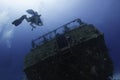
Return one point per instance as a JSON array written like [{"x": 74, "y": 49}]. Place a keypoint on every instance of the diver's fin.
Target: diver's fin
[{"x": 18, "y": 21}]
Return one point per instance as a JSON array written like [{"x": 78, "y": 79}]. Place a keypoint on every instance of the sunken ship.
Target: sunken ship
[{"x": 74, "y": 51}]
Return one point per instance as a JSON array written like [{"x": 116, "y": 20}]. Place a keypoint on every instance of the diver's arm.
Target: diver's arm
[
  {"x": 40, "y": 24},
  {"x": 32, "y": 26}
]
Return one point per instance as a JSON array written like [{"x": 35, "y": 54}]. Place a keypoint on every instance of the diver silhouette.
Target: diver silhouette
[{"x": 34, "y": 19}]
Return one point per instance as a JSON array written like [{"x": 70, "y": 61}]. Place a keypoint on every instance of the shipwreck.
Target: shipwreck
[{"x": 74, "y": 51}]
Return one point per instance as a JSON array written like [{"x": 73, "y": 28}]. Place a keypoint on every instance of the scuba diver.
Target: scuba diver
[{"x": 34, "y": 19}]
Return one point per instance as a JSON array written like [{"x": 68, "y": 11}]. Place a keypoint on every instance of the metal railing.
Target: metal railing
[{"x": 60, "y": 30}]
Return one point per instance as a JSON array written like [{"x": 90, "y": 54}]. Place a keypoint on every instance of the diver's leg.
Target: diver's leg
[{"x": 27, "y": 19}]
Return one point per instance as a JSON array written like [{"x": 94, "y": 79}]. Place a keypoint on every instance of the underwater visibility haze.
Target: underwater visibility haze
[{"x": 15, "y": 42}]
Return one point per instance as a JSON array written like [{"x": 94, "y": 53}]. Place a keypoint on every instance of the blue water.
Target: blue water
[{"x": 15, "y": 42}]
